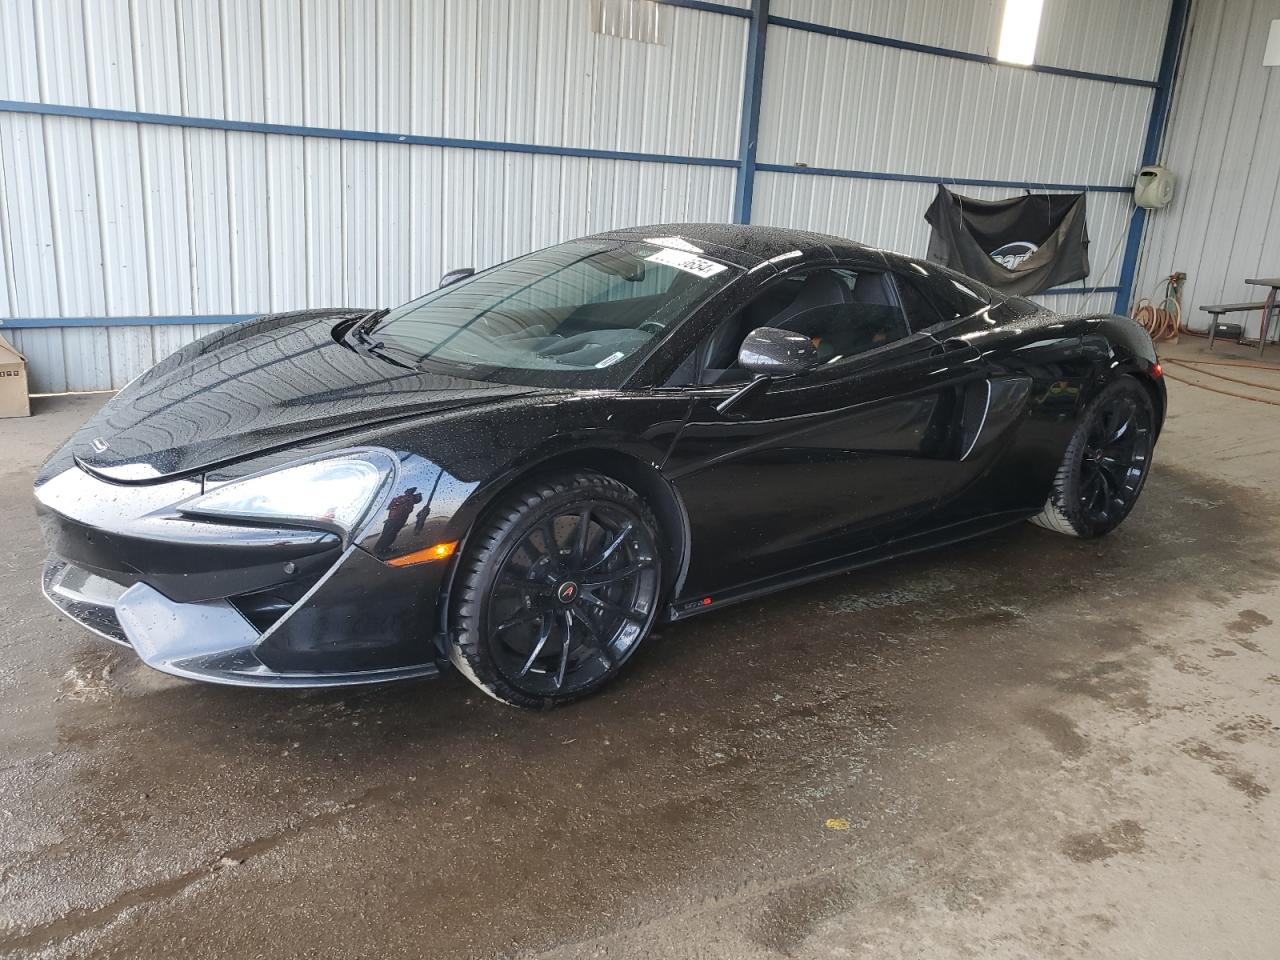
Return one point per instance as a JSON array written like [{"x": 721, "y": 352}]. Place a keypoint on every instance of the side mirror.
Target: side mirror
[
  {"x": 453, "y": 276},
  {"x": 771, "y": 352}
]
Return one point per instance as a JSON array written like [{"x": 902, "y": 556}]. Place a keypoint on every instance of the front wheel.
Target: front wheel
[
  {"x": 1105, "y": 465},
  {"x": 557, "y": 589}
]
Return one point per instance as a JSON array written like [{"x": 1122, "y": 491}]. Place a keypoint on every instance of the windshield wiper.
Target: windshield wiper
[
  {"x": 359, "y": 331},
  {"x": 358, "y": 338}
]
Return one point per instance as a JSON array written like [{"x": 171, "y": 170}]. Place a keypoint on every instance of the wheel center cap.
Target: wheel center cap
[{"x": 567, "y": 592}]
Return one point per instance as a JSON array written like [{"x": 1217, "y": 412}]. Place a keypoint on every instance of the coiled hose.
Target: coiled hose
[{"x": 1162, "y": 318}]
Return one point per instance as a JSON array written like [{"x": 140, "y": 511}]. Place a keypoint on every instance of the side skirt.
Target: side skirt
[{"x": 955, "y": 533}]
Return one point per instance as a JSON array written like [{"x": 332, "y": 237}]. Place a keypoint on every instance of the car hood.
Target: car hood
[{"x": 286, "y": 383}]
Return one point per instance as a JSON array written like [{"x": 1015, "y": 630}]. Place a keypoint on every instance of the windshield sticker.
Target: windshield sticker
[
  {"x": 610, "y": 360},
  {"x": 688, "y": 262},
  {"x": 679, "y": 243}
]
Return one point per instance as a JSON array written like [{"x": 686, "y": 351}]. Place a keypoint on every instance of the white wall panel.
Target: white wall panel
[
  {"x": 210, "y": 221},
  {"x": 831, "y": 102},
  {"x": 19, "y": 73},
  {"x": 158, "y": 86},
  {"x": 199, "y": 59},
  {"x": 277, "y": 222},
  {"x": 969, "y": 25},
  {"x": 453, "y": 68},
  {"x": 166, "y": 219},
  {"x": 28, "y": 230},
  {"x": 63, "y": 163},
  {"x": 1117, "y": 37},
  {"x": 1223, "y": 142}
]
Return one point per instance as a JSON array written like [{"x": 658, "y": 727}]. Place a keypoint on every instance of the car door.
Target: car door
[{"x": 823, "y": 464}]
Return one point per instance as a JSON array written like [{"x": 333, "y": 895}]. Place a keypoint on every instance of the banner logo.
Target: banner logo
[{"x": 1011, "y": 255}]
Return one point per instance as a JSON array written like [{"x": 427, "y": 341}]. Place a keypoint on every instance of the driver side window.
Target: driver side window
[{"x": 845, "y": 313}]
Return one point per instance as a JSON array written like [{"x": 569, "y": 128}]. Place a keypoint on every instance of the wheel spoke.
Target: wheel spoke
[
  {"x": 613, "y": 576},
  {"x": 1098, "y": 490},
  {"x": 524, "y": 616},
  {"x": 583, "y": 534},
  {"x": 519, "y": 582},
  {"x": 551, "y": 548},
  {"x": 1089, "y": 487},
  {"x": 543, "y": 634},
  {"x": 617, "y": 609},
  {"x": 599, "y": 644},
  {"x": 564, "y": 648},
  {"x": 1119, "y": 425},
  {"x": 608, "y": 551},
  {"x": 1114, "y": 472}
]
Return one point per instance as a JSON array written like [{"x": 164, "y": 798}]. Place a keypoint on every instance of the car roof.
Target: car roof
[{"x": 749, "y": 245}]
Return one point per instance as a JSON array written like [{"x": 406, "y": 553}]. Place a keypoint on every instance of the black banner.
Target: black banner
[{"x": 1023, "y": 245}]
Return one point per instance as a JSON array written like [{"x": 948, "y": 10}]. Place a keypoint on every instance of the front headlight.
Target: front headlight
[{"x": 334, "y": 491}]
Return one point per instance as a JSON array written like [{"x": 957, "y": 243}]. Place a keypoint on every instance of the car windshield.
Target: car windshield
[{"x": 578, "y": 314}]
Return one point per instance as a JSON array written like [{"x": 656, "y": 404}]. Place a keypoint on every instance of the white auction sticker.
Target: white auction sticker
[
  {"x": 610, "y": 360},
  {"x": 688, "y": 262}
]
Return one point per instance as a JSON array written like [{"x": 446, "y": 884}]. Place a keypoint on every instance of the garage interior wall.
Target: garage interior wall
[
  {"x": 1223, "y": 142},
  {"x": 173, "y": 165}
]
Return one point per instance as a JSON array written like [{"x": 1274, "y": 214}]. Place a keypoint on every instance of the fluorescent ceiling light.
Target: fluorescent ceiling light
[{"x": 1019, "y": 31}]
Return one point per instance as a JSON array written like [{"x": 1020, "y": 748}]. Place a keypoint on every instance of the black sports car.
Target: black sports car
[{"x": 522, "y": 471}]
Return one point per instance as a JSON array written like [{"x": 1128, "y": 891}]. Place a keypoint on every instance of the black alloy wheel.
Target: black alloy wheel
[
  {"x": 1114, "y": 460},
  {"x": 559, "y": 592},
  {"x": 1106, "y": 463}
]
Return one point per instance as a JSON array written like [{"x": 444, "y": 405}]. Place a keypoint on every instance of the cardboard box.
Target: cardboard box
[{"x": 13, "y": 382}]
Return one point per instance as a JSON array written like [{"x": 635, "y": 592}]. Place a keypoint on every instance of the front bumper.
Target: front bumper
[{"x": 230, "y": 604}]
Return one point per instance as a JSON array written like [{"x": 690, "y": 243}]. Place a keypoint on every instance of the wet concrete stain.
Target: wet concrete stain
[
  {"x": 1059, "y": 729},
  {"x": 1249, "y": 621},
  {"x": 789, "y": 916},
  {"x": 1228, "y": 768},
  {"x": 1123, "y": 836}
]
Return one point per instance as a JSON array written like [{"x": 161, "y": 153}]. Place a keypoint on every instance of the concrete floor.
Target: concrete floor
[{"x": 1026, "y": 746}]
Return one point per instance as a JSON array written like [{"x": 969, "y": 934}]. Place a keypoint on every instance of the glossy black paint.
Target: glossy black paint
[{"x": 944, "y": 434}]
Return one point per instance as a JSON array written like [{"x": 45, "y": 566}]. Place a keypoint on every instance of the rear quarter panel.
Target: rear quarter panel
[{"x": 1066, "y": 361}]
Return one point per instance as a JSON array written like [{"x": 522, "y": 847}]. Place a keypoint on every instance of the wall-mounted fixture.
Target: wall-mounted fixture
[
  {"x": 1153, "y": 187},
  {"x": 1272, "y": 57}
]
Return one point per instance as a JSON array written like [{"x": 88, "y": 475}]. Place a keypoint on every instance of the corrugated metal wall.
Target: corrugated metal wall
[
  {"x": 110, "y": 217},
  {"x": 1223, "y": 142},
  {"x": 832, "y": 102}
]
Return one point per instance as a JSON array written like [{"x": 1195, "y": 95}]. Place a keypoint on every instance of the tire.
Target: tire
[
  {"x": 1106, "y": 463},
  {"x": 545, "y": 613}
]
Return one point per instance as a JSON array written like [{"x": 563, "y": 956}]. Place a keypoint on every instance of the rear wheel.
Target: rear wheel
[
  {"x": 1106, "y": 463},
  {"x": 558, "y": 588}
]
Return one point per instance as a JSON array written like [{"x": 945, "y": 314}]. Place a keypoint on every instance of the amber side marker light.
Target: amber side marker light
[{"x": 439, "y": 552}]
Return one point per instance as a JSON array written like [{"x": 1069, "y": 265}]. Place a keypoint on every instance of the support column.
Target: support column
[{"x": 752, "y": 86}]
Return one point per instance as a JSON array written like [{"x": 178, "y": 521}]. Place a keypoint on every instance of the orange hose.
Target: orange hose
[
  {"x": 1225, "y": 393},
  {"x": 1223, "y": 376},
  {"x": 1160, "y": 323},
  {"x": 1255, "y": 364}
]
